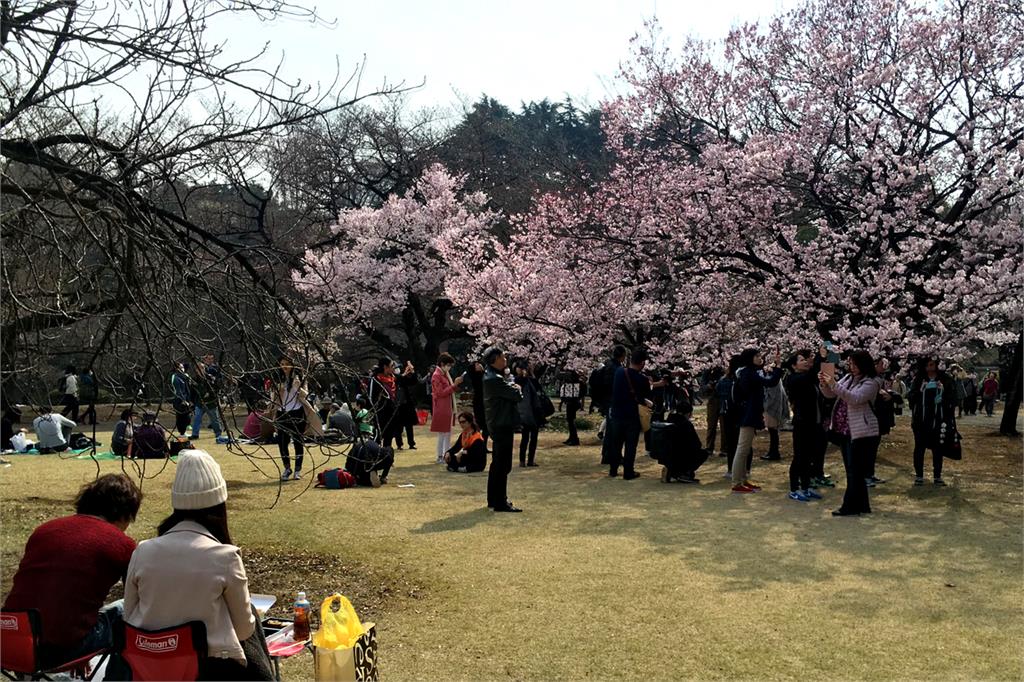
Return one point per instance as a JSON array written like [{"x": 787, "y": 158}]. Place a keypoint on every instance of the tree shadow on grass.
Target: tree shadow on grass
[{"x": 756, "y": 541}]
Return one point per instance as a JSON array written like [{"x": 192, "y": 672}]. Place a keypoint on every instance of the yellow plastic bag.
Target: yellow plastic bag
[{"x": 338, "y": 629}]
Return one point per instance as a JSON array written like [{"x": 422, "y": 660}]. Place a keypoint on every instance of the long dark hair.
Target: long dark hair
[
  {"x": 747, "y": 357},
  {"x": 470, "y": 418},
  {"x": 213, "y": 519}
]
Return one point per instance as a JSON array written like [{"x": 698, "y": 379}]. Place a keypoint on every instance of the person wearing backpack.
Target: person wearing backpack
[
  {"x": 748, "y": 394},
  {"x": 854, "y": 422},
  {"x": 88, "y": 392}
]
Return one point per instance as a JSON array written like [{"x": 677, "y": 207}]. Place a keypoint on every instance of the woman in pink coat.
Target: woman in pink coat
[{"x": 443, "y": 395}]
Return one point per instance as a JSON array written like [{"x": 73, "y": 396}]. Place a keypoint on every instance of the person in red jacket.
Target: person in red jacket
[{"x": 71, "y": 563}]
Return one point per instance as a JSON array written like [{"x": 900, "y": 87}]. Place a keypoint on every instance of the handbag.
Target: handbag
[
  {"x": 645, "y": 413},
  {"x": 949, "y": 440}
]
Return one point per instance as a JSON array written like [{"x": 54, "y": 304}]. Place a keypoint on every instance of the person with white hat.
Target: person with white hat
[{"x": 191, "y": 571}]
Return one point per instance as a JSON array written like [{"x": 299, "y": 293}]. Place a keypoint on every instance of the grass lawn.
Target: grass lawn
[{"x": 603, "y": 578}]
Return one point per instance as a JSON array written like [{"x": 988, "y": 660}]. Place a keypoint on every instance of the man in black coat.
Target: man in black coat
[
  {"x": 501, "y": 405},
  {"x": 476, "y": 378}
]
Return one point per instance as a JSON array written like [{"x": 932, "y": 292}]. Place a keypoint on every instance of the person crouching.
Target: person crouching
[{"x": 686, "y": 452}]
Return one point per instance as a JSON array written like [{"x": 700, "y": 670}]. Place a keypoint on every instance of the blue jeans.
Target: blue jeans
[
  {"x": 197, "y": 419},
  {"x": 100, "y": 637}
]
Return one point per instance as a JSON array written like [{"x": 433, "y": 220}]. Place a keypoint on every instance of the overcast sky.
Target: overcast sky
[{"x": 514, "y": 51}]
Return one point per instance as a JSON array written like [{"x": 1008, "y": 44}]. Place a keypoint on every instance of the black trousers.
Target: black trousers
[
  {"x": 805, "y": 445},
  {"x": 773, "y": 443},
  {"x": 573, "y": 407},
  {"x": 70, "y": 403},
  {"x": 730, "y": 436},
  {"x": 291, "y": 426},
  {"x": 855, "y": 455},
  {"x": 713, "y": 418},
  {"x": 501, "y": 466},
  {"x": 89, "y": 416},
  {"x": 925, "y": 440},
  {"x": 182, "y": 415},
  {"x": 528, "y": 445}
]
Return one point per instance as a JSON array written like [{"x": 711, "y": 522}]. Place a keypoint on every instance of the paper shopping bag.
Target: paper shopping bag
[{"x": 350, "y": 664}]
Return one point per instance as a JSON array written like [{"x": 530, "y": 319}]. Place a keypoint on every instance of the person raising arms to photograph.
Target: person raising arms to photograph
[
  {"x": 854, "y": 422},
  {"x": 749, "y": 392}
]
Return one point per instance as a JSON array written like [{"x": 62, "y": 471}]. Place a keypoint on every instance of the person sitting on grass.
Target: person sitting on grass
[
  {"x": 469, "y": 454},
  {"x": 192, "y": 571},
  {"x": 49, "y": 427},
  {"x": 363, "y": 417},
  {"x": 259, "y": 425},
  {"x": 150, "y": 439},
  {"x": 341, "y": 421},
  {"x": 686, "y": 453},
  {"x": 124, "y": 433},
  {"x": 71, "y": 563}
]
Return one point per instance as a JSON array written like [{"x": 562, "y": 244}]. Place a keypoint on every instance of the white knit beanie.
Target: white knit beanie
[{"x": 198, "y": 483}]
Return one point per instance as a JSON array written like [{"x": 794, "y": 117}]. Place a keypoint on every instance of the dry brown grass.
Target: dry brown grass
[{"x": 605, "y": 579}]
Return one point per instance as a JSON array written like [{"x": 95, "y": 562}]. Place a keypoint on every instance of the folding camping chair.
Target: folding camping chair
[
  {"x": 174, "y": 653},
  {"x": 19, "y": 649}
]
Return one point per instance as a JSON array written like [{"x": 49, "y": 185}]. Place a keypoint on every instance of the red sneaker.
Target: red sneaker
[
  {"x": 742, "y": 489},
  {"x": 753, "y": 486}
]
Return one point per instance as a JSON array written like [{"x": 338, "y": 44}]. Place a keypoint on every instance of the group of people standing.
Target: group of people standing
[{"x": 851, "y": 409}]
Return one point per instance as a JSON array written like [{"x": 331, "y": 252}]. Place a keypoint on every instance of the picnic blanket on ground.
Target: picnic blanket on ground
[
  {"x": 108, "y": 455},
  {"x": 34, "y": 451}
]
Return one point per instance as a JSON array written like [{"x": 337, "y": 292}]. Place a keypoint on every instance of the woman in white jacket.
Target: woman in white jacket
[{"x": 191, "y": 571}]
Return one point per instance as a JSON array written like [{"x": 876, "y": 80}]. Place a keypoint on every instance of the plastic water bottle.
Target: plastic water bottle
[{"x": 301, "y": 617}]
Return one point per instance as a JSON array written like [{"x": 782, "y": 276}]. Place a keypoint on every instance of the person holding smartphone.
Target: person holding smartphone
[{"x": 442, "y": 395}]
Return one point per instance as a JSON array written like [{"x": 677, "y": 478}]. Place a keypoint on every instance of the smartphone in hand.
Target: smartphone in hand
[{"x": 829, "y": 369}]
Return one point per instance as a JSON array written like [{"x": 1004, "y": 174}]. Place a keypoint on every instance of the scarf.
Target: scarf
[
  {"x": 388, "y": 382},
  {"x": 466, "y": 443}
]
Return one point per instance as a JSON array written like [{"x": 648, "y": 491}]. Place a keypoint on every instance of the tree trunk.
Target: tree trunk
[{"x": 1008, "y": 427}]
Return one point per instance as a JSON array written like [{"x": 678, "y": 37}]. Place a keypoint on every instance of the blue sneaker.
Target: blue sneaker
[
  {"x": 812, "y": 494},
  {"x": 798, "y": 496},
  {"x": 223, "y": 440}
]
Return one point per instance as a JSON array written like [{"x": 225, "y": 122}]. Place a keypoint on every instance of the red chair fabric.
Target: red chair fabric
[
  {"x": 174, "y": 653},
  {"x": 19, "y": 646},
  {"x": 19, "y": 641}
]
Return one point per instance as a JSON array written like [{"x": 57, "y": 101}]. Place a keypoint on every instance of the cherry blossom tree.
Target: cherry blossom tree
[
  {"x": 386, "y": 264},
  {"x": 851, "y": 170}
]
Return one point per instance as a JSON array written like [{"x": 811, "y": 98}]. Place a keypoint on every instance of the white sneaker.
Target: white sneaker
[{"x": 374, "y": 479}]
